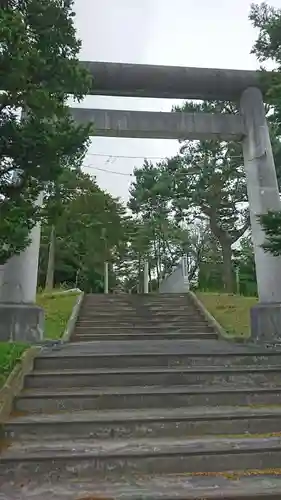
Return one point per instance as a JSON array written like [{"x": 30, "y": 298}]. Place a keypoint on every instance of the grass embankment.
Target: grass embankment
[
  {"x": 231, "y": 311},
  {"x": 58, "y": 308}
]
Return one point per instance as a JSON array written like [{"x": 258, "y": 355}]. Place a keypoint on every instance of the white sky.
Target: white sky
[{"x": 202, "y": 33}]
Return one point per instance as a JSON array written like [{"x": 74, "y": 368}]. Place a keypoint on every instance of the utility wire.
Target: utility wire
[
  {"x": 113, "y": 157},
  {"x": 116, "y": 172},
  {"x": 145, "y": 157},
  {"x": 108, "y": 171}
]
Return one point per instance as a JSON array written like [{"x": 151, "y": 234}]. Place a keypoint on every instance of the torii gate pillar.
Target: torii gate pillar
[{"x": 263, "y": 195}]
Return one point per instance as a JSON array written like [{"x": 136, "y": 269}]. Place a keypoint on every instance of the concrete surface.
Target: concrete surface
[
  {"x": 84, "y": 458},
  {"x": 18, "y": 277},
  {"x": 140, "y": 80},
  {"x": 135, "y": 397},
  {"x": 161, "y": 125},
  {"x": 21, "y": 323},
  {"x": 266, "y": 323},
  {"x": 145, "y": 423},
  {"x": 263, "y": 193},
  {"x": 148, "y": 487},
  {"x": 151, "y": 376}
]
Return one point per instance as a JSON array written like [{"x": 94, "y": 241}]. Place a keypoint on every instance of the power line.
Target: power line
[
  {"x": 113, "y": 157},
  {"x": 108, "y": 171},
  {"x": 101, "y": 155},
  {"x": 116, "y": 172}
]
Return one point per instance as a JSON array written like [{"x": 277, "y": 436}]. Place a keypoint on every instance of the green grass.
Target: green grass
[
  {"x": 231, "y": 311},
  {"x": 57, "y": 309},
  {"x": 10, "y": 354}
]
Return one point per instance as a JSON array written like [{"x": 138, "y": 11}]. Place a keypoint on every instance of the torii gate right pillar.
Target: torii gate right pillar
[{"x": 263, "y": 195}]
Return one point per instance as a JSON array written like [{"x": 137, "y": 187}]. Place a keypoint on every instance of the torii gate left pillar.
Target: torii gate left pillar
[{"x": 21, "y": 320}]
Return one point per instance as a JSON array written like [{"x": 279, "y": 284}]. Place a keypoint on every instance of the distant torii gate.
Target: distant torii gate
[{"x": 250, "y": 127}]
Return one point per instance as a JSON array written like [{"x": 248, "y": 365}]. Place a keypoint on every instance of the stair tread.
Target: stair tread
[
  {"x": 151, "y": 389},
  {"x": 95, "y": 438},
  {"x": 158, "y": 347},
  {"x": 164, "y": 370},
  {"x": 153, "y": 487},
  {"x": 24, "y": 450},
  {"x": 199, "y": 412}
]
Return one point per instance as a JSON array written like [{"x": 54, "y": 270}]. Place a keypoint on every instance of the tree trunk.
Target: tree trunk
[
  {"x": 228, "y": 277},
  {"x": 225, "y": 243},
  {"x": 139, "y": 289},
  {"x": 150, "y": 278},
  {"x": 49, "y": 285}
]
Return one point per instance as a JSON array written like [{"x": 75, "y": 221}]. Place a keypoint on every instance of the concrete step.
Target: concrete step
[
  {"x": 142, "y": 321},
  {"x": 153, "y": 317},
  {"x": 142, "y": 423},
  {"x": 86, "y": 337},
  {"x": 147, "y": 324},
  {"x": 135, "y": 329},
  {"x": 250, "y": 486},
  {"x": 143, "y": 325},
  {"x": 109, "y": 398},
  {"x": 144, "y": 329},
  {"x": 134, "y": 313},
  {"x": 251, "y": 376},
  {"x": 84, "y": 458},
  {"x": 104, "y": 326},
  {"x": 153, "y": 353}
]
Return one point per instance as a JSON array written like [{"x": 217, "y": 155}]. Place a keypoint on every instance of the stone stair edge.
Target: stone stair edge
[
  {"x": 152, "y": 370},
  {"x": 140, "y": 390},
  {"x": 227, "y": 486},
  {"x": 162, "y": 414},
  {"x": 214, "y": 445}
]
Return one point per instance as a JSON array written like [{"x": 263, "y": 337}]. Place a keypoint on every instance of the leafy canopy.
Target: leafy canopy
[{"x": 38, "y": 68}]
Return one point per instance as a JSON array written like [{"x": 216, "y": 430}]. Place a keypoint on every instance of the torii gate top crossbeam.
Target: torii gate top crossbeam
[{"x": 139, "y": 80}]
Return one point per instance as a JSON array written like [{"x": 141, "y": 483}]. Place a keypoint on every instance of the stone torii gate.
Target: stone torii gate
[{"x": 19, "y": 275}]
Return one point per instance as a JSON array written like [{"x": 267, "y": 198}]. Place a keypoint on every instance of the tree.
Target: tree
[
  {"x": 59, "y": 194},
  {"x": 244, "y": 263},
  {"x": 267, "y": 47},
  {"x": 271, "y": 223},
  {"x": 88, "y": 228},
  {"x": 205, "y": 181},
  {"x": 38, "y": 68},
  {"x": 208, "y": 180},
  {"x": 160, "y": 238},
  {"x": 210, "y": 274}
]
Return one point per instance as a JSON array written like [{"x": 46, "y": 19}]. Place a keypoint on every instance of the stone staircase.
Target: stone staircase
[
  {"x": 145, "y": 402},
  {"x": 140, "y": 317}
]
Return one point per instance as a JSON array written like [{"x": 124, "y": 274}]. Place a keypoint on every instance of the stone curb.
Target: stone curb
[
  {"x": 208, "y": 316},
  {"x": 73, "y": 317},
  {"x": 15, "y": 381}
]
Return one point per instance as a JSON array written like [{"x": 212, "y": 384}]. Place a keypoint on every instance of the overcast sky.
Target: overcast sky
[{"x": 202, "y": 33}]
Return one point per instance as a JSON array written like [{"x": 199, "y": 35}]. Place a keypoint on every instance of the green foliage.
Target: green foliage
[
  {"x": 244, "y": 263},
  {"x": 10, "y": 354},
  {"x": 158, "y": 235},
  {"x": 271, "y": 223},
  {"x": 210, "y": 275},
  {"x": 38, "y": 67},
  {"x": 267, "y": 48},
  {"x": 58, "y": 308},
  {"x": 89, "y": 227},
  {"x": 208, "y": 177},
  {"x": 204, "y": 182}
]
